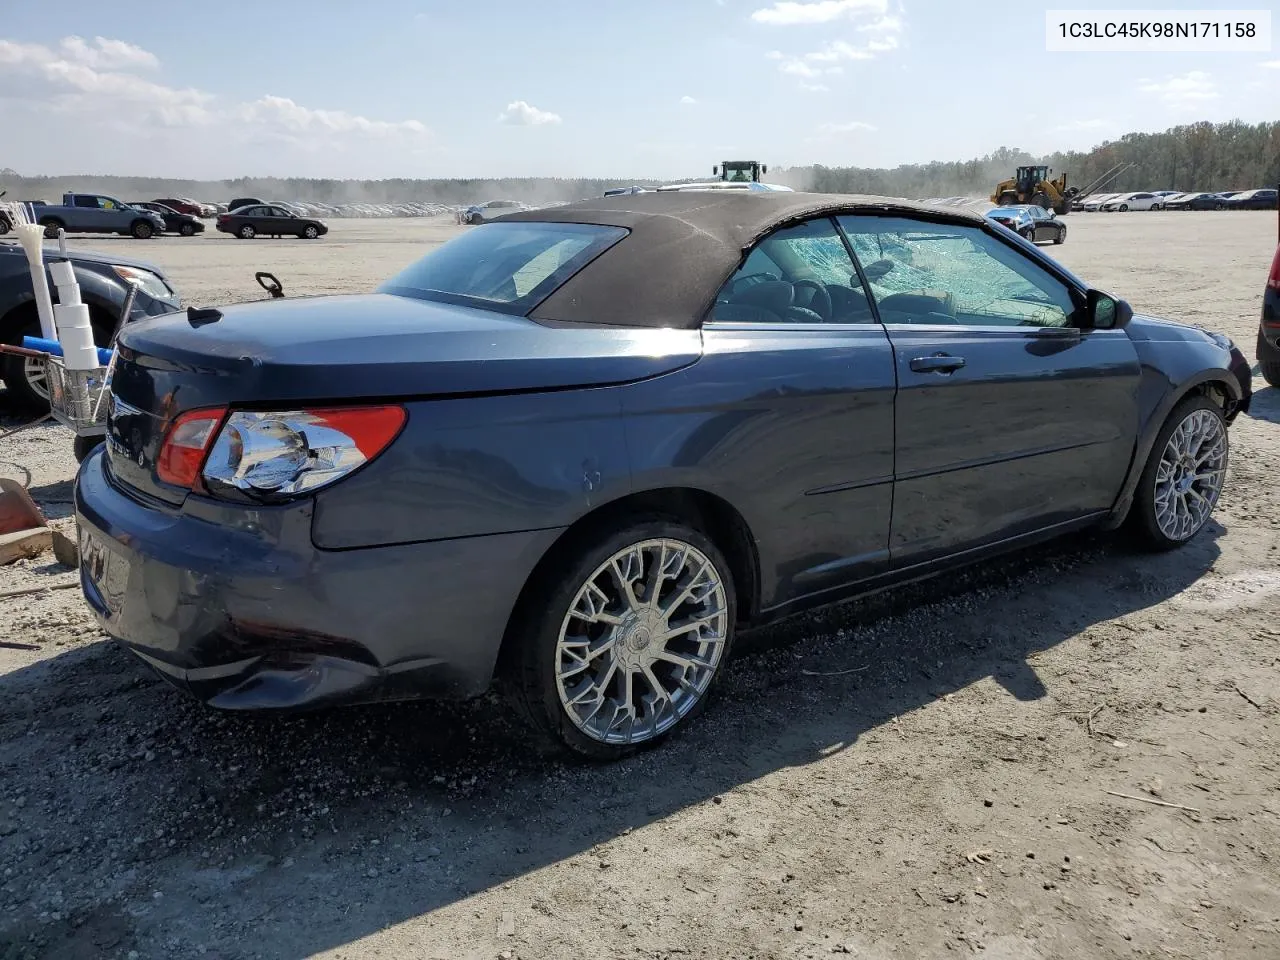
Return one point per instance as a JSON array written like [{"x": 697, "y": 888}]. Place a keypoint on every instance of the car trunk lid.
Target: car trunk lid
[{"x": 287, "y": 353}]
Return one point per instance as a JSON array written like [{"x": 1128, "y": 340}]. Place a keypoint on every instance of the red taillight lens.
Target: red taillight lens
[
  {"x": 290, "y": 453},
  {"x": 1273, "y": 281},
  {"x": 183, "y": 451}
]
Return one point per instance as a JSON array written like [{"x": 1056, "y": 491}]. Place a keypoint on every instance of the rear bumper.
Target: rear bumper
[{"x": 241, "y": 610}]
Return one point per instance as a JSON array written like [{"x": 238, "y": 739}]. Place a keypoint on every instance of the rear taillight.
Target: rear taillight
[
  {"x": 1273, "y": 281},
  {"x": 185, "y": 446},
  {"x": 278, "y": 455}
]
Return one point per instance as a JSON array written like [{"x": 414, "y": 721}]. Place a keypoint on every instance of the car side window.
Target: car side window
[
  {"x": 798, "y": 274},
  {"x": 940, "y": 273}
]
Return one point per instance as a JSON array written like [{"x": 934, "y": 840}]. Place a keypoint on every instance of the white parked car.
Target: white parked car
[
  {"x": 1095, "y": 202},
  {"x": 1134, "y": 201}
]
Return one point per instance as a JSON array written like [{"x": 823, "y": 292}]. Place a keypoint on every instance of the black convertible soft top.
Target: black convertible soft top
[{"x": 683, "y": 245}]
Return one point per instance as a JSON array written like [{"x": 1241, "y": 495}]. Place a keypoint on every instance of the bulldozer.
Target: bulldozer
[
  {"x": 738, "y": 171},
  {"x": 1032, "y": 185}
]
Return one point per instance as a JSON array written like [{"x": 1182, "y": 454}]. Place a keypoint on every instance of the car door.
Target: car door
[
  {"x": 1010, "y": 418},
  {"x": 283, "y": 222},
  {"x": 1040, "y": 223},
  {"x": 792, "y": 410}
]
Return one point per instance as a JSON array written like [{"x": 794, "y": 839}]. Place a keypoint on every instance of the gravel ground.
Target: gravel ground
[{"x": 1070, "y": 753}]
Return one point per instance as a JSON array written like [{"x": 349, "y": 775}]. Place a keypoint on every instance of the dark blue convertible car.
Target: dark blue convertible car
[{"x": 576, "y": 449}]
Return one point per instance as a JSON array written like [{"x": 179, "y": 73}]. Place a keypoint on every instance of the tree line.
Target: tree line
[{"x": 1197, "y": 156}]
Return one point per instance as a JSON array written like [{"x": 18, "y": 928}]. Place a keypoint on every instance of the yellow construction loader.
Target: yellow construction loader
[{"x": 1032, "y": 185}]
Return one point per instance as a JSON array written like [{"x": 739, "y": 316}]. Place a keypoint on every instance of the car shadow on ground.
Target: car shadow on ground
[
  {"x": 1265, "y": 405},
  {"x": 192, "y": 814}
]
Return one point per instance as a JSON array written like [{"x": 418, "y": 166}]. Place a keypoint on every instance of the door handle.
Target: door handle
[{"x": 938, "y": 363}]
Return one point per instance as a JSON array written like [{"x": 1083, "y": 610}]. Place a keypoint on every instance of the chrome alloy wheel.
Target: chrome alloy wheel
[
  {"x": 1190, "y": 474},
  {"x": 37, "y": 376},
  {"x": 641, "y": 642}
]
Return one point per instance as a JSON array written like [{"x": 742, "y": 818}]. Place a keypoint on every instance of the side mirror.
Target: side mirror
[
  {"x": 715, "y": 171},
  {"x": 1106, "y": 312},
  {"x": 764, "y": 168}
]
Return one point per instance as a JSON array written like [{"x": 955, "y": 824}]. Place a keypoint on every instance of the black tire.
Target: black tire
[
  {"x": 1008, "y": 199},
  {"x": 310, "y": 232},
  {"x": 142, "y": 230},
  {"x": 1029, "y": 234},
  {"x": 1268, "y": 361},
  {"x": 5, "y": 226},
  {"x": 246, "y": 232},
  {"x": 1060, "y": 237},
  {"x": 81, "y": 447},
  {"x": 1142, "y": 516},
  {"x": 187, "y": 230},
  {"x": 1042, "y": 201},
  {"x": 531, "y": 668},
  {"x": 1123, "y": 208},
  {"x": 51, "y": 227},
  {"x": 22, "y": 392}
]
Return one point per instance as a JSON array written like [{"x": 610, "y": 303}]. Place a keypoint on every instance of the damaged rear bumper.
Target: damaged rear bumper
[{"x": 238, "y": 607}]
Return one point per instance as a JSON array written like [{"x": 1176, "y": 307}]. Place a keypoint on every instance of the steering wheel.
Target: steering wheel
[{"x": 819, "y": 302}]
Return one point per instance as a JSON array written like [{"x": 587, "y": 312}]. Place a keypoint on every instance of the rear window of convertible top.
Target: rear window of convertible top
[{"x": 507, "y": 267}]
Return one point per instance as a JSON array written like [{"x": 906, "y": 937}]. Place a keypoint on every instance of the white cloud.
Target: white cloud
[
  {"x": 882, "y": 37},
  {"x": 814, "y": 87},
  {"x": 688, "y": 100},
  {"x": 283, "y": 112},
  {"x": 851, "y": 126},
  {"x": 106, "y": 54},
  {"x": 90, "y": 81},
  {"x": 1186, "y": 91},
  {"x": 789, "y": 13},
  {"x": 522, "y": 114}
]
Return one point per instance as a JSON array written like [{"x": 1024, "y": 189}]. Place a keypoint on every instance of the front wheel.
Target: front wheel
[
  {"x": 621, "y": 645},
  {"x": 309, "y": 232},
  {"x": 1060, "y": 237},
  {"x": 1184, "y": 475},
  {"x": 187, "y": 229},
  {"x": 142, "y": 230},
  {"x": 1124, "y": 208}
]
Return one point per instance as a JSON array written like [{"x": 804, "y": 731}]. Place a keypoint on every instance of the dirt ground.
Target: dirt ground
[{"x": 1066, "y": 754}]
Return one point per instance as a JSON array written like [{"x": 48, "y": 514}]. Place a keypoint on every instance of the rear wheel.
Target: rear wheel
[
  {"x": 1268, "y": 361},
  {"x": 622, "y": 644},
  {"x": 1042, "y": 200},
  {"x": 1184, "y": 475},
  {"x": 24, "y": 377},
  {"x": 1008, "y": 199},
  {"x": 1060, "y": 236},
  {"x": 51, "y": 228},
  {"x": 246, "y": 232}
]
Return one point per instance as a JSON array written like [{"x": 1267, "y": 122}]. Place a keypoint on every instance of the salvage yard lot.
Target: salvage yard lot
[{"x": 1072, "y": 753}]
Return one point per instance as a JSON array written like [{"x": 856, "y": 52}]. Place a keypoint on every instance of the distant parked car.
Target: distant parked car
[
  {"x": 1195, "y": 201},
  {"x": 1252, "y": 200},
  {"x": 174, "y": 222},
  {"x": 1269, "y": 330},
  {"x": 1015, "y": 218},
  {"x": 1134, "y": 201},
  {"x": 96, "y": 213},
  {"x": 1031, "y": 221},
  {"x": 272, "y": 221},
  {"x": 243, "y": 202},
  {"x": 189, "y": 207},
  {"x": 1095, "y": 202},
  {"x": 482, "y": 212}
]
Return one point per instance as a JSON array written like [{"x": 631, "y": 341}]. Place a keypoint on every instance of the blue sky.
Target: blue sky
[{"x": 426, "y": 88}]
